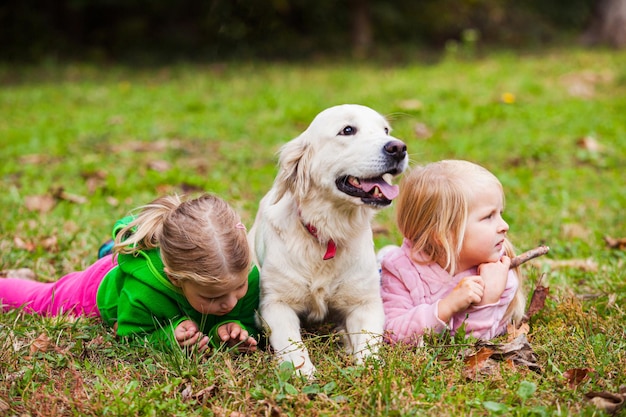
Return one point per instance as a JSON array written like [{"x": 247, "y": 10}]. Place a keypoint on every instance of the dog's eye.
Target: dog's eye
[
  {"x": 348, "y": 131},
  {"x": 386, "y": 131}
]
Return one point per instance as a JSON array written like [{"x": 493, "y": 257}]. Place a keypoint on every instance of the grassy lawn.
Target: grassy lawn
[{"x": 81, "y": 145}]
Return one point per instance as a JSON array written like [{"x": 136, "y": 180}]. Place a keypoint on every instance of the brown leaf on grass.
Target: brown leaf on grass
[
  {"x": 410, "y": 104},
  {"x": 583, "y": 84},
  {"x": 50, "y": 244},
  {"x": 201, "y": 396},
  {"x": 518, "y": 351},
  {"x": 538, "y": 299},
  {"x": 484, "y": 363},
  {"x": 589, "y": 143},
  {"x": 576, "y": 376},
  {"x": 478, "y": 365},
  {"x": 21, "y": 273},
  {"x": 97, "y": 342},
  {"x": 513, "y": 332},
  {"x": 186, "y": 392},
  {"x": 190, "y": 188},
  {"x": 40, "y": 203},
  {"x": 41, "y": 344},
  {"x": 94, "y": 180},
  {"x": 576, "y": 231},
  {"x": 606, "y": 401},
  {"x": 159, "y": 165},
  {"x": 615, "y": 243},
  {"x": 268, "y": 407},
  {"x": 204, "y": 394},
  {"x": 422, "y": 131},
  {"x": 60, "y": 194},
  {"x": 22, "y": 244}
]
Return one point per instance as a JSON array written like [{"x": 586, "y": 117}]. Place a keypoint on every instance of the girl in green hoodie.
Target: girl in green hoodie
[{"x": 179, "y": 275}]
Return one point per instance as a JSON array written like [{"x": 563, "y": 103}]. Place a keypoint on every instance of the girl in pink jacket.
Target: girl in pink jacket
[{"x": 453, "y": 266}]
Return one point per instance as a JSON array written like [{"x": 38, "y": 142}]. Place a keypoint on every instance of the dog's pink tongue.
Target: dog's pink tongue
[{"x": 389, "y": 191}]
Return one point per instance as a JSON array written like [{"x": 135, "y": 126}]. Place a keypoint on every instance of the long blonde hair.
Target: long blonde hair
[
  {"x": 199, "y": 239},
  {"x": 432, "y": 211}
]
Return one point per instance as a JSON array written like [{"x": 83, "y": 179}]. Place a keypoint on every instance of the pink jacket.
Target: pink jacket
[{"x": 411, "y": 294}]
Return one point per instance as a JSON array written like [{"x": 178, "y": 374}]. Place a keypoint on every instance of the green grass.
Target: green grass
[{"x": 98, "y": 132}]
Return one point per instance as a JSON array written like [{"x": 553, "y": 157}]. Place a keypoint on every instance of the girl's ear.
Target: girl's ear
[{"x": 175, "y": 281}]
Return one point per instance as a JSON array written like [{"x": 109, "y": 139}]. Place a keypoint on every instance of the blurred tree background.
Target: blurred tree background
[{"x": 153, "y": 30}]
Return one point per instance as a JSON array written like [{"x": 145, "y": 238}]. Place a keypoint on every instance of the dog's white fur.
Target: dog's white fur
[{"x": 296, "y": 283}]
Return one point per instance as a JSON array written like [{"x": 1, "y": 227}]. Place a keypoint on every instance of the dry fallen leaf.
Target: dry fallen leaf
[
  {"x": 410, "y": 104},
  {"x": 41, "y": 344},
  {"x": 582, "y": 84},
  {"x": 50, "y": 244},
  {"x": 186, "y": 393},
  {"x": 159, "y": 165},
  {"x": 538, "y": 299},
  {"x": 40, "y": 203},
  {"x": 22, "y": 244},
  {"x": 60, "y": 194},
  {"x": 205, "y": 393},
  {"x": 606, "y": 401},
  {"x": 513, "y": 332},
  {"x": 576, "y": 376},
  {"x": 484, "y": 363},
  {"x": 589, "y": 143},
  {"x": 478, "y": 364},
  {"x": 200, "y": 396},
  {"x": 619, "y": 243},
  {"x": 422, "y": 131},
  {"x": 21, "y": 273},
  {"x": 576, "y": 231}
]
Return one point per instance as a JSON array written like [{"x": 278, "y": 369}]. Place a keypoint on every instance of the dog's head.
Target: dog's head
[{"x": 347, "y": 151}]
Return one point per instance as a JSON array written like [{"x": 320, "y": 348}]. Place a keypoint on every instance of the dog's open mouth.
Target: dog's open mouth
[{"x": 376, "y": 191}]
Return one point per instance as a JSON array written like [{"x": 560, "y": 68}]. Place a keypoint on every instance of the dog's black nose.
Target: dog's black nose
[{"x": 396, "y": 149}]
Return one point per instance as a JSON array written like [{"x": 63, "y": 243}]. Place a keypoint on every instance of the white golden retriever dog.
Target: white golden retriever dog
[{"x": 312, "y": 235}]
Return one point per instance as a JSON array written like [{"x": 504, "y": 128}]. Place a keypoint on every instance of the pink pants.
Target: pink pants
[{"x": 73, "y": 294}]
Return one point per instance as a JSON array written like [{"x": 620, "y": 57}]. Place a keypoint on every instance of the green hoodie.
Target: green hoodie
[{"x": 138, "y": 296}]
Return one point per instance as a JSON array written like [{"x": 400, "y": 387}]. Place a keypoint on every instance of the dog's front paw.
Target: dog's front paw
[
  {"x": 307, "y": 371},
  {"x": 302, "y": 366}
]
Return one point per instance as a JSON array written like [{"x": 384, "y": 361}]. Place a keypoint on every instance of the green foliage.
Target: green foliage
[
  {"x": 153, "y": 31},
  {"x": 117, "y": 137}
]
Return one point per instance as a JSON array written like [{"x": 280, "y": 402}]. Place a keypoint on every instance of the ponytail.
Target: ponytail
[{"x": 145, "y": 231}]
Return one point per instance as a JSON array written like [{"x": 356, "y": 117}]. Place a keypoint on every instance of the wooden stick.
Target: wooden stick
[{"x": 528, "y": 255}]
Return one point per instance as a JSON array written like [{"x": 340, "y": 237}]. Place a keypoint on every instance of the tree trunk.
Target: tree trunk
[
  {"x": 361, "y": 27},
  {"x": 608, "y": 24}
]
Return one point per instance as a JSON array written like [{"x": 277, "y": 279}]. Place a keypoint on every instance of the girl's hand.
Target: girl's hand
[
  {"x": 188, "y": 334},
  {"x": 467, "y": 292},
  {"x": 495, "y": 275},
  {"x": 232, "y": 334}
]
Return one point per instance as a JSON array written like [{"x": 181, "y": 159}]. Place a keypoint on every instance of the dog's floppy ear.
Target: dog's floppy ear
[{"x": 294, "y": 164}]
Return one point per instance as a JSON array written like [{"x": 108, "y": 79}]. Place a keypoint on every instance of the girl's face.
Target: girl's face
[
  {"x": 215, "y": 299},
  {"x": 485, "y": 230}
]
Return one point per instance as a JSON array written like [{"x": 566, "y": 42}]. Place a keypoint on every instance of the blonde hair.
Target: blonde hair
[
  {"x": 199, "y": 239},
  {"x": 432, "y": 211}
]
